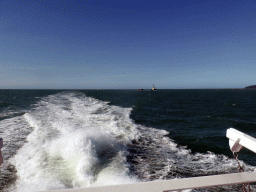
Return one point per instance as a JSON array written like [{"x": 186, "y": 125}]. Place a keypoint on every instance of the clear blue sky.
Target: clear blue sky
[{"x": 127, "y": 44}]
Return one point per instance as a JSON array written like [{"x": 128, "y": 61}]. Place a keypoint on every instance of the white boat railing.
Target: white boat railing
[
  {"x": 175, "y": 184},
  {"x": 237, "y": 141}
]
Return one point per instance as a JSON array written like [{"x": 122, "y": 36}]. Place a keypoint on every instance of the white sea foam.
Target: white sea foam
[
  {"x": 77, "y": 141},
  {"x": 14, "y": 132},
  {"x": 157, "y": 157}
]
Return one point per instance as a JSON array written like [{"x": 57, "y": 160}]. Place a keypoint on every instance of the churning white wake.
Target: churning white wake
[{"x": 77, "y": 142}]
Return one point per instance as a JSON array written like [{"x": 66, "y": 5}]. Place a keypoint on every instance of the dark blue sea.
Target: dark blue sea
[{"x": 60, "y": 139}]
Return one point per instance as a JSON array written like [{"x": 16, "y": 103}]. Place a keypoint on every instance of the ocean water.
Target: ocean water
[{"x": 60, "y": 139}]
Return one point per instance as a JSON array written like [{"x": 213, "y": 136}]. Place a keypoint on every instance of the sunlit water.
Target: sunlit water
[{"x": 75, "y": 139}]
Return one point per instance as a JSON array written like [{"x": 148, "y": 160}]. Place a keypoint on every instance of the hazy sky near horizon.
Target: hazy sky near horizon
[{"x": 127, "y": 44}]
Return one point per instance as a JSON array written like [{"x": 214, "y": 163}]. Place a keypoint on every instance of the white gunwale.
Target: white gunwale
[{"x": 175, "y": 184}]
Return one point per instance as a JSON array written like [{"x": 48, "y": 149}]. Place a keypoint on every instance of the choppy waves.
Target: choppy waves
[
  {"x": 69, "y": 140},
  {"x": 76, "y": 142}
]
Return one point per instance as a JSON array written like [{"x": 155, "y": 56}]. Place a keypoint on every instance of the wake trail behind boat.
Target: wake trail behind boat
[
  {"x": 70, "y": 140},
  {"x": 76, "y": 142}
]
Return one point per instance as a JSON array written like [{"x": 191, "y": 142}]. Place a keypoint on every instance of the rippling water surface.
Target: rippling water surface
[{"x": 58, "y": 139}]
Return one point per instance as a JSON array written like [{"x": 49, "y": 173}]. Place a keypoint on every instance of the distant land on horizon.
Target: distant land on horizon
[{"x": 251, "y": 87}]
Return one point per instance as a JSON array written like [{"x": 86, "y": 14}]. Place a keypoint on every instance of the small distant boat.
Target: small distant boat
[
  {"x": 139, "y": 89},
  {"x": 153, "y": 89}
]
